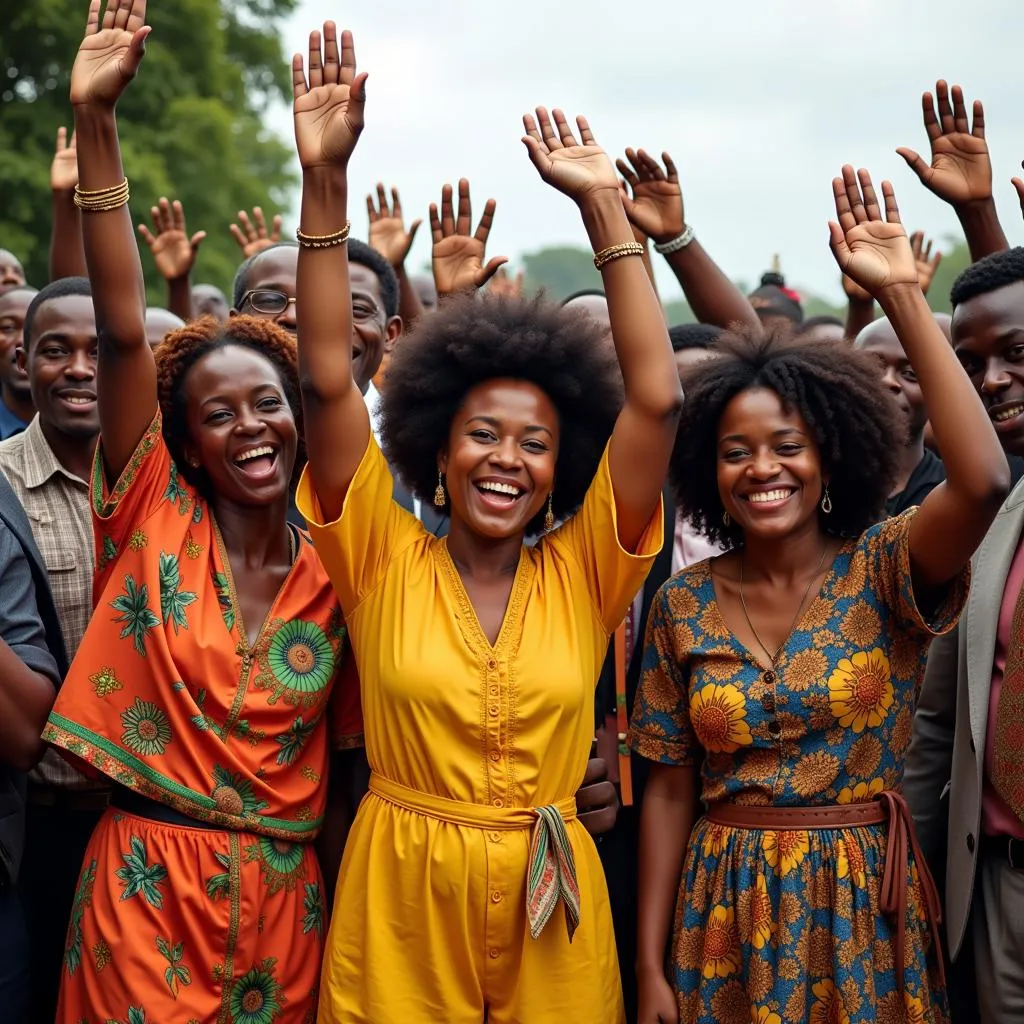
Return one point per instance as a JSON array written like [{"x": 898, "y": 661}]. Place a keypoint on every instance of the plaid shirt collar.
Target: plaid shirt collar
[{"x": 38, "y": 459}]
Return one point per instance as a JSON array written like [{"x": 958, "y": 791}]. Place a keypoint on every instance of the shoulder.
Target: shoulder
[{"x": 687, "y": 593}]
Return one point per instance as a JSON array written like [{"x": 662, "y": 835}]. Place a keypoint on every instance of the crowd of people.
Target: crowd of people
[{"x": 377, "y": 647}]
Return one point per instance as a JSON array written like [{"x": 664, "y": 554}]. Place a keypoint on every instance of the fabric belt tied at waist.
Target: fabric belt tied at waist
[
  {"x": 902, "y": 839},
  {"x": 552, "y": 868}
]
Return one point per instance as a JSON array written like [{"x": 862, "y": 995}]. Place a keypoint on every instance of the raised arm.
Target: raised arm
[
  {"x": 656, "y": 209},
  {"x": 960, "y": 171},
  {"x": 174, "y": 253},
  {"x": 872, "y": 248},
  {"x": 389, "y": 237},
  {"x": 646, "y": 428},
  {"x": 107, "y": 61},
  {"x": 253, "y": 236},
  {"x": 328, "y": 119},
  {"x": 67, "y": 257},
  {"x": 457, "y": 257}
]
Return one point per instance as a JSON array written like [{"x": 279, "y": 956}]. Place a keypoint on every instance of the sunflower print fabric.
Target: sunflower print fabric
[
  {"x": 779, "y": 926},
  {"x": 169, "y": 696}
]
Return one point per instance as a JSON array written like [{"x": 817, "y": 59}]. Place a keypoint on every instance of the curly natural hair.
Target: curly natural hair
[
  {"x": 182, "y": 349},
  {"x": 471, "y": 339},
  {"x": 836, "y": 390}
]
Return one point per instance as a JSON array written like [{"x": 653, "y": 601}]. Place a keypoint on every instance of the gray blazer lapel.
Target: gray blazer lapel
[{"x": 991, "y": 567}]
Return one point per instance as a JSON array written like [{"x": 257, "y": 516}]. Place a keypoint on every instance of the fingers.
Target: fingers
[
  {"x": 837, "y": 234},
  {"x": 537, "y": 152},
  {"x": 870, "y": 199},
  {"x": 670, "y": 168},
  {"x": 916, "y": 163},
  {"x": 396, "y": 203},
  {"x": 332, "y": 56},
  {"x": 92, "y": 19},
  {"x": 136, "y": 15},
  {"x": 1018, "y": 184},
  {"x": 147, "y": 235},
  {"x": 484, "y": 227},
  {"x": 650, "y": 166},
  {"x": 447, "y": 213},
  {"x": 236, "y": 234},
  {"x": 945, "y": 108},
  {"x": 316, "y": 61},
  {"x": 299, "y": 87},
  {"x": 916, "y": 242},
  {"x": 960, "y": 122},
  {"x": 586, "y": 135},
  {"x": 196, "y": 240},
  {"x": 931, "y": 121},
  {"x": 347, "y": 72},
  {"x": 413, "y": 228},
  {"x": 597, "y": 771},
  {"x": 275, "y": 228},
  {"x": 250, "y": 234},
  {"x": 978, "y": 131},
  {"x": 892, "y": 211},
  {"x": 122, "y": 9},
  {"x": 853, "y": 196},
  {"x": 531, "y": 129},
  {"x": 464, "y": 221},
  {"x": 73, "y": 144},
  {"x": 565, "y": 135},
  {"x": 371, "y": 210},
  {"x": 436, "y": 232},
  {"x": 136, "y": 51},
  {"x": 547, "y": 131},
  {"x": 847, "y": 221},
  {"x": 627, "y": 172},
  {"x": 490, "y": 270},
  {"x": 62, "y": 140},
  {"x": 177, "y": 216},
  {"x": 108, "y": 15},
  {"x": 595, "y": 795},
  {"x": 357, "y": 101},
  {"x": 382, "y": 200}
]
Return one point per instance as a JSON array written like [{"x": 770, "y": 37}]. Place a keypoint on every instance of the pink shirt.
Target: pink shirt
[{"x": 996, "y": 817}]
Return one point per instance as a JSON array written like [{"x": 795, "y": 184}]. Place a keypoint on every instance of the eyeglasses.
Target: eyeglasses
[{"x": 271, "y": 302}]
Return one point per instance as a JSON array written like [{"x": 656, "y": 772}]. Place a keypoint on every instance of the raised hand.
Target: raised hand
[
  {"x": 328, "y": 108},
  {"x": 387, "y": 228},
  {"x": 504, "y": 285},
  {"x": 871, "y": 248},
  {"x": 64, "y": 168},
  {"x": 174, "y": 252},
  {"x": 960, "y": 170},
  {"x": 253, "y": 238},
  {"x": 927, "y": 264},
  {"x": 111, "y": 52},
  {"x": 578, "y": 169},
  {"x": 1018, "y": 184},
  {"x": 656, "y": 205},
  {"x": 457, "y": 258}
]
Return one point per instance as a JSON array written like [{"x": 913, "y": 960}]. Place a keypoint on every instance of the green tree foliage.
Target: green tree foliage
[
  {"x": 560, "y": 271},
  {"x": 956, "y": 257},
  {"x": 191, "y": 124}
]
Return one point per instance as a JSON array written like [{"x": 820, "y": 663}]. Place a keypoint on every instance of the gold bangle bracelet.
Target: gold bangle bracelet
[
  {"x": 614, "y": 252},
  {"x": 102, "y": 200},
  {"x": 323, "y": 241}
]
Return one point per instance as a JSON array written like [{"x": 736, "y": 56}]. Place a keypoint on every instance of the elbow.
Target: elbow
[
  {"x": 995, "y": 485},
  {"x": 26, "y": 749}
]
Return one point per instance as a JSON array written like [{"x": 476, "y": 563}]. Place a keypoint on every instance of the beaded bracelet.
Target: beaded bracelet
[
  {"x": 324, "y": 241},
  {"x": 103, "y": 199},
  {"x": 614, "y": 252},
  {"x": 675, "y": 244}
]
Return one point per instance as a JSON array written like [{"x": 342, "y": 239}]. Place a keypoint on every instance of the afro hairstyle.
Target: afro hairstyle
[
  {"x": 690, "y": 336},
  {"x": 989, "y": 273},
  {"x": 469, "y": 340},
  {"x": 182, "y": 349},
  {"x": 836, "y": 390}
]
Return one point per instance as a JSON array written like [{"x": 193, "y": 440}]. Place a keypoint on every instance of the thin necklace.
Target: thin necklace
[{"x": 796, "y": 618}]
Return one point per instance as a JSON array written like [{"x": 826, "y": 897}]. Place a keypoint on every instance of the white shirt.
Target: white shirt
[{"x": 373, "y": 403}]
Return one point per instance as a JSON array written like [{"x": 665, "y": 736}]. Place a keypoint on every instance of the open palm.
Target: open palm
[
  {"x": 328, "y": 107},
  {"x": 110, "y": 53},
  {"x": 656, "y": 206},
  {"x": 574, "y": 168},
  {"x": 874, "y": 252},
  {"x": 457, "y": 257}
]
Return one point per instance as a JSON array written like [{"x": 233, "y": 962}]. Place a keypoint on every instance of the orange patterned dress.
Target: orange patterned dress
[{"x": 222, "y": 921}]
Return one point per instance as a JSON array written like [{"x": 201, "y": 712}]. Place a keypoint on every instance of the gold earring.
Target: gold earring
[
  {"x": 549, "y": 516},
  {"x": 440, "y": 498},
  {"x": 726, "y": 518},
  {"x": 826, "y": 502}
]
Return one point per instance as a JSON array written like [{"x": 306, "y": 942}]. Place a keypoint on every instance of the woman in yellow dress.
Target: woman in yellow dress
[{"x": 468, "y": 889}]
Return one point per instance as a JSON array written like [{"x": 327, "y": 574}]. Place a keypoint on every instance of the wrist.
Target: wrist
[
  {"x": 981, "y": 207},
  {"x": 670, "y": 236},
  {"x": 646, "y": 968},
  {"x": 604, "y": 219},
  {"x": 897, "y": 298}
]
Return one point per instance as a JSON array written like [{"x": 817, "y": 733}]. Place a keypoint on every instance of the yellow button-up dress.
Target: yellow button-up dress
[{"x": 430, "y": 920}]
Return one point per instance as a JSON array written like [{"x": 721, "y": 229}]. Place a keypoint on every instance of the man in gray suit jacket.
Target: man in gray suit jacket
[{"x": 955, "y": 795}]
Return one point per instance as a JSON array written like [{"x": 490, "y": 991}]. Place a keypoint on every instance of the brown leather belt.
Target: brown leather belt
[{"x": 902, "y": 840}]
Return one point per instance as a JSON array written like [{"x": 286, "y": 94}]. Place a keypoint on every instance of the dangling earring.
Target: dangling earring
[
  {"x": 440, "y": 498},
  {"x": 826, "y": 502},
  {"x": 726, "y": 520},
  {"x": 549, "y": 516}
]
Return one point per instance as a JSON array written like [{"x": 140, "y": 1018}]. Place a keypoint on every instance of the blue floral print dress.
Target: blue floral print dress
[{"x": 778, "y": 927}]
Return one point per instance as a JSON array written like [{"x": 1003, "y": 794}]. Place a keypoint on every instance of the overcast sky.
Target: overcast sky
[{"x": 760, "y": 103}]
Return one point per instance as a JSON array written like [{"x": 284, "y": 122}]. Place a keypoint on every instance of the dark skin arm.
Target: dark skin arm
[
  {"x": 389, "y": 237},
  {"x": 860, "y": 308},
  {"x": 457, "y": 257},
  {"x": 960, "y": 171},
  {"x": 873, "y": 249},
  {"x": 67, "y": 256},
  {"x": 328, "y": 115},
  {"x": 26, "y": 698},
  {"x": 174, "y": 253},
  {"x": 656, "y": 209},
  {"x": 108, "y": 60},
  {"x": 338, "y": 815},
  {"x": 666, "y": 820},
  {"x": 645, "y": 430}
]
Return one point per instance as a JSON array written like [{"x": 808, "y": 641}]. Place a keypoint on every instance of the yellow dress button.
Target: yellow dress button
[
  {"x": 495, "y": 954},
  {"x": 498, "y": 802},
  {"x": 493, "y": 710},
  {"x": 495, "y": 837},
  {"x": 495, "y": 897},
  {"x": 492, "y": 664},
  {"x": 495, "y": 755},
  {"x": 494, "y": 691}
]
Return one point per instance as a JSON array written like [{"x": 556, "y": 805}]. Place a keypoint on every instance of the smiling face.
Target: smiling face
[
  {"x": 769, "y": 467},
  {"x": 500, "y": 464},
  {"x": 13, "y": 307},
  {"x": 61, "y": 365},
  {"x": 988, "y": 337},
  {"x": 898, "y": 376},
  {"x": 241, "y": 429},
  {"x": 12, "y": 275}
]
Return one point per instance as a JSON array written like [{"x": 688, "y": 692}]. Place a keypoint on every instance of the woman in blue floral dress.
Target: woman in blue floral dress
[{"x": 780, "y": 679}]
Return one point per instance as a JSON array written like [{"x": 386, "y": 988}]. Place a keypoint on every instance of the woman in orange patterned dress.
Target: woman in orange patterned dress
[{"x": 202, "y": 685}]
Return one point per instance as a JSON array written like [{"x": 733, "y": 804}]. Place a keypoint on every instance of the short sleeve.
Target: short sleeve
[
  {"x": 345, "y": 710},
  {"x": 886, "y": 549},
  {"x": 661, "y": 729},
  {"x": 356, "y": 548},
  {"x": 591, "y": 536},
  {"x": 21, "y": 626}
]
